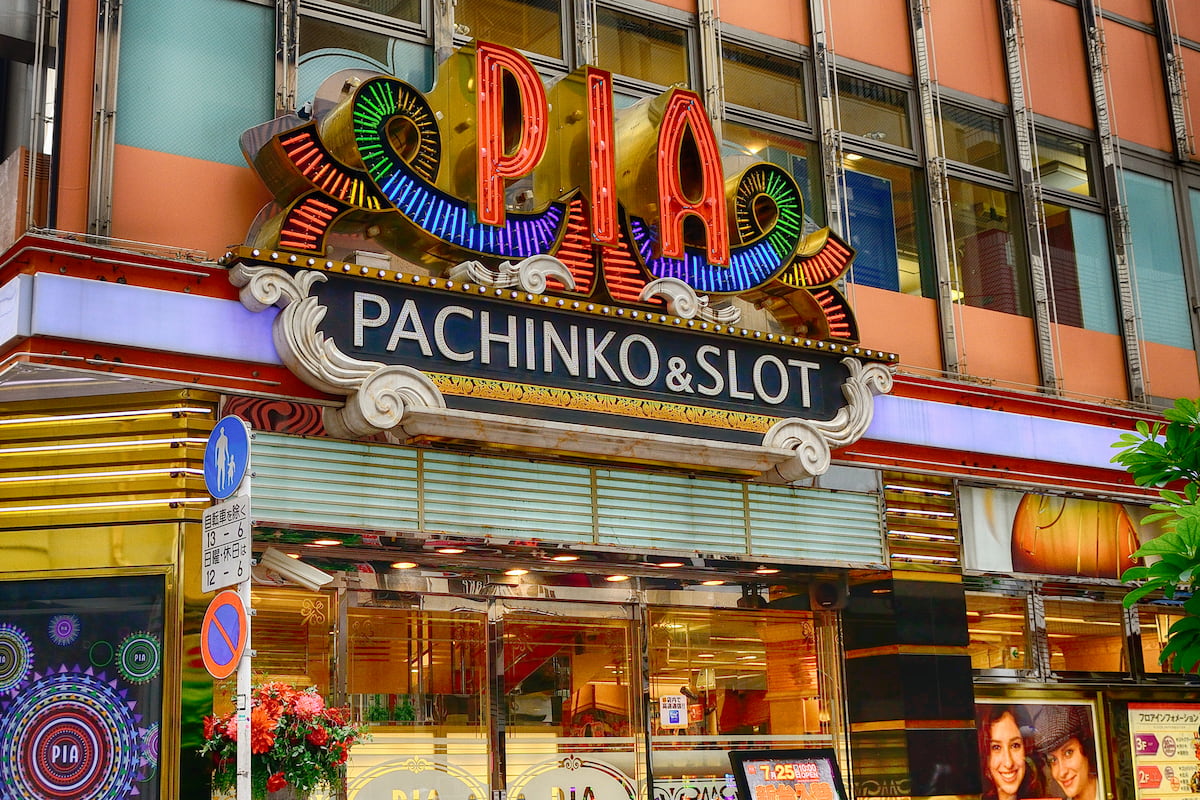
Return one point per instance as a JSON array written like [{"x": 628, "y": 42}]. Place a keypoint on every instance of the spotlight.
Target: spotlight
[{"x": 294, "y": 570}]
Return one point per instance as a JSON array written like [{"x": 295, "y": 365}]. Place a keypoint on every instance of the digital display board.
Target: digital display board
[{"x": 787, "y": 774}]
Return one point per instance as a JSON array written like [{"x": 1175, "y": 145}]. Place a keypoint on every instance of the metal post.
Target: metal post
[{"x": 243, "y": 702}]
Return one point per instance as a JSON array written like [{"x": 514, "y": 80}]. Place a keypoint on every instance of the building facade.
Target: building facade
[{"x": 756, "y": 362}]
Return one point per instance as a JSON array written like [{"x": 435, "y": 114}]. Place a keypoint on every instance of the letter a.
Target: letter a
[{"x": 685, "y": 112}]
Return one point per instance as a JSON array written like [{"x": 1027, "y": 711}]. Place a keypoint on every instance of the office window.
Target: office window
[
  {"x": 531, "y": 25},
  {"x": 787, "y": 152},
  {"x": 874, "y": 111},
  {"x": 1064, "y": 165},
  {"x": 1085, "y": 636},
  {"x": 973, "y": 138},
  {"x": 763, "y": 81},
  {"x": 989, "y": 248},
  {"x": 886, "y": 218},
  {"x": 1081, "y": 269},
  {"x": 407, "y": 10},
  {"x": 999, "y": 631},
  {"x": 640, "y": 48},
  {"x": 1157, "y": 261},
  {"x": 329, "y": 47}
]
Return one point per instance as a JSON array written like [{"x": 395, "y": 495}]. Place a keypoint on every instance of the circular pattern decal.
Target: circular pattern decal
[
  {"x": 100, "y": 653},
  {"x": 16, "y": 656},
  {"x": 150, "y": 742},
  {"x": 139, "y": 657},
  {"x": 68, "y": 735},
  {"x": 64, "y": 629}
]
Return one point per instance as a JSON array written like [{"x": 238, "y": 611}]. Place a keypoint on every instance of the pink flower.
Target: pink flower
[{"x": 309, "y": 705}]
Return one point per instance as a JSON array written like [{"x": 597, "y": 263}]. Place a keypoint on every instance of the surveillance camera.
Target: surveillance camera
[{"x": 295, "y": 570}]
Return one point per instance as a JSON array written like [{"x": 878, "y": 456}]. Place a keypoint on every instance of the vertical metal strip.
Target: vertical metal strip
[
  {"x": 641, "y": 626},
  {"x": 1133, "y": 642},
  {"x": 1173, "y": 76},
  {"x": 497, "y": 709},
  {"x": 287, "y": 55},
  {"x": 936, "y": 182},
  {"x": 443, "y": 29},
  {"x": 1041, "y": 282},
  {"x": 585, "y": 32},
  {"x": 104, "y": 105},
  {"x": 827, "y": 117},
  {"x": 47, "y": 16},
  {"x": 711, "y": 66},
  {"x": 1118, "y": 216},
  {"x": 1039, "y": 643}
]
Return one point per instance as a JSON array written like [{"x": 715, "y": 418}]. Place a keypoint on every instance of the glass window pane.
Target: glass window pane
[
  {"x": 749, "y": 678},
  {"x": 784, "y": 151},
  {"x": 327, "y": 47},
  {"x": 885, "y": 214},
  {"x": 989, "y": 248},
  {"x": 1158, "y": 261},
  {"x": 1154, "y": 623},
  {"x": 874, "y": 111},
  {"x": 763, "y": 81},
  {"x": 974, "y": 139},
  {"x": 1063, "y": 165},
  {"x": 1081, "y": 269},
  {"x": 409, "y": 10},
  {"x": 531, "y": 25},
  {"x": 1085, "y": 636},
  {"x": 999, "y": 632},
  {"x": 640, "y": 48}
]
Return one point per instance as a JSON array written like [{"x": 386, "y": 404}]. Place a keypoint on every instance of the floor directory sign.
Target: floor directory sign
[{"x": 1165, "y": 738}]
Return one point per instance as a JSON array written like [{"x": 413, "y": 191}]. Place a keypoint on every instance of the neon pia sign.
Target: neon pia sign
[{"x": 630, "y": 199}]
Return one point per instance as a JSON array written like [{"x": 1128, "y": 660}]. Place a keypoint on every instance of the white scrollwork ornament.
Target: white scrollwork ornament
[
  {"x": 813, "y": 440},
  {"x": 381, "y": 402}
]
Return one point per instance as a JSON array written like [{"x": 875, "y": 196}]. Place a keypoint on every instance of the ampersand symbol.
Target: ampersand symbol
[{"x": 678, "y": 378}]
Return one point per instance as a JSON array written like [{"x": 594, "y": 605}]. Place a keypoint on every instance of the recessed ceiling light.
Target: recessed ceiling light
[
  {"x": 450, "y": 551},
  {"x": 669, "y": 564},
  {"x": 712, "y": 583},
  {"x": 616, "y": 578},
  {"x": 705, "y": 655},
  {"x": 515, "y": 572},
  {"x": 565, "y": 558},
  {"x": 292, "y": 555},
  {"x": 404, "y": 565},
  {"x": 326, "y": 542},
  {"x": 766, "y": 571}
]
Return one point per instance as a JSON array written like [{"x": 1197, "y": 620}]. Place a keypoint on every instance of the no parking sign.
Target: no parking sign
[{"x": 223, "y": 634}]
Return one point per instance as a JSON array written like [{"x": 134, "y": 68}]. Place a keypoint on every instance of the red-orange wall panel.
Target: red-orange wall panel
[
  {"x": 872, "y": 31},
  {"x": 1091, "y": 364},
  {"x": 784, "y": 20},
  {"x": 898, "y": 323},
  {"x": 1191, "y": 70},
  {"x": 183, "y": 202},
  {"x": 1057, "y": 76},
  {"x": 998, "y": 346},
  {"x": 968, "y": 49},
  {"x": 1187, "y": 21},
  {"x": 1139, "y": 97},
  {"x": 682, "y": 5},
  {"x": 75, "y": 117},
  {"x": 1171, "y": 371},
  {"x": 1139, "y": 10}
]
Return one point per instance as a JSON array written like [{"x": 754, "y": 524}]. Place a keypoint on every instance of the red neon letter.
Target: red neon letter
[
  {"x": 602, "y": 166},
  {"x": 685, "y": 113},
  {"x": 495, "y": 163}
]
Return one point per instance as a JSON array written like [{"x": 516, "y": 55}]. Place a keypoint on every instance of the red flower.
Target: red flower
[
  {"x": 318, "y": 737},
  {"x": 343, "y": 753},
  {"x": 208, "y": 727},
  {"x": 262, "y": 731},
  {"x": 276, "y": 782}
]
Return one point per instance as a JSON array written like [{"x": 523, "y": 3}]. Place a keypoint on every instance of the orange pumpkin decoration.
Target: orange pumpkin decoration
[{"x": 1068, "y": 536}]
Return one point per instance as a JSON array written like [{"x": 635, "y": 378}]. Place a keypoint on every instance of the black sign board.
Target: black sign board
[
  {"x": 787, "y": 774},
  {"x": 573, "y": 361}
]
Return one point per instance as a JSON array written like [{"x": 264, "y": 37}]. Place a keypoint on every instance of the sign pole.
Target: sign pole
[
  {"x": 243, "y": 703},
  {"x": 226, "y": 556}
]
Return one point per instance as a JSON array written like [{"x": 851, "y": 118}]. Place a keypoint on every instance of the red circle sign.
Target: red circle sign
[{"x": 223, "y": 634}]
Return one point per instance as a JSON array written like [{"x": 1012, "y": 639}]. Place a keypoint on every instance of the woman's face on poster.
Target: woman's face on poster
[
  {"x": 1069, "y": 766},
  {"x": 1006, "y": 756}
]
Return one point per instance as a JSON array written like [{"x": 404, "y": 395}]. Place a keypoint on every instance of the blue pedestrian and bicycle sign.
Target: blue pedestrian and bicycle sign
[{"x": 226, "y": 457}]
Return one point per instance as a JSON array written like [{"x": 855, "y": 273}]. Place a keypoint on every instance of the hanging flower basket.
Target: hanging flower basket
[{"x": 297, "y": 744}]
